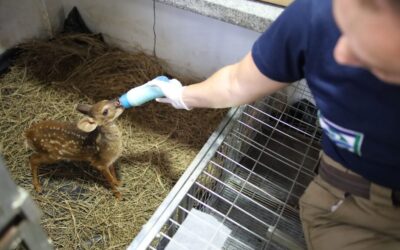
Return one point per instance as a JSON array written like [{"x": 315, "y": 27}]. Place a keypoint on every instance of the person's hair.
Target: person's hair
[{"x": 394, "y": 4}]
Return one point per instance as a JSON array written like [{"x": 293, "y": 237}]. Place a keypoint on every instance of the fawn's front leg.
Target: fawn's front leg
[
  {"x": 111, "y": 180},
  {"x": 114, "y": 174}
]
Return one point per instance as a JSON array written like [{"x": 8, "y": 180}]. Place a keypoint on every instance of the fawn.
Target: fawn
[{"x": 95, "y": 139}]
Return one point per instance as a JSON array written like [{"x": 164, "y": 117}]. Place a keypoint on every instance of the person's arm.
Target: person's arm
[
  {"x": 279, "y": 54},
  {"x": 232, "y": 85}
]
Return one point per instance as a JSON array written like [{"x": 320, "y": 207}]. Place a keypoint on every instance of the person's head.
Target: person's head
[{"x": 370, "y": 36}]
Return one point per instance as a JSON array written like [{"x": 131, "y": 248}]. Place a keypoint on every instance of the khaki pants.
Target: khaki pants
[{"x": 335, "y": 220}]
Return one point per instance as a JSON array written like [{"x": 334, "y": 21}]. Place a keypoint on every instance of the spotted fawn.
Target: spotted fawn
[{"x": 95, "y": 139}]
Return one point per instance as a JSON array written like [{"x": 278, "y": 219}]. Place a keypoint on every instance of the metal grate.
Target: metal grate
[{"x": 242, "y": 190}]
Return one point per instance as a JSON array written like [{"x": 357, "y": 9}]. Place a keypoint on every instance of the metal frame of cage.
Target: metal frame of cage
[
  {"x": 19, "y": 217},
  {"x": 248, "y": 177}
]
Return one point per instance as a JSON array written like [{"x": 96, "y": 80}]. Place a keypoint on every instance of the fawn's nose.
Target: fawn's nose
[{"x": 116, "y": 103}]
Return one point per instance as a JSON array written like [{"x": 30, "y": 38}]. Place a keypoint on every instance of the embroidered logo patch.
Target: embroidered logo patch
[{"x": 342, "y": 137}]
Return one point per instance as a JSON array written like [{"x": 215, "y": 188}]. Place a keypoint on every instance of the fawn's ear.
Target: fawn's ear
[
  {"x": 84, "y": 108},
  {"x": 87, "y": 124}
]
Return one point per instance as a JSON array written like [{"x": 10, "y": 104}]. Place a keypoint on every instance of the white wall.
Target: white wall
[
  {"x": 22, "y": 20},
  {"x": 194, "y": 45}
]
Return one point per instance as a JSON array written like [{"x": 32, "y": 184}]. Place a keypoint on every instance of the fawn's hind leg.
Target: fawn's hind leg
[{"x": 35, "y": 161}]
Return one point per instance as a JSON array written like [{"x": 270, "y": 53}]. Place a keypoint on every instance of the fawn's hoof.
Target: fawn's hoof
[
  {"x": 38, "y": 188},
  {"x": 118, "y": 196}
]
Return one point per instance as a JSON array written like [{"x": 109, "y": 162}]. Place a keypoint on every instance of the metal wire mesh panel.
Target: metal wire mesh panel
[{"x": 243, "y": 193}]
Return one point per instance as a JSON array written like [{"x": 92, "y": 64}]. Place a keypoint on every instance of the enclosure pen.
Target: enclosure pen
[
  {"x": 242, "y": 189},
  {"x": 46, "y": 82}
]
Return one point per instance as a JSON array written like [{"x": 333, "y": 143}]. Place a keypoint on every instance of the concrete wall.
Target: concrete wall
[
  {"x": 192, "y": 44},
  {"x": 22, "y": 20}
]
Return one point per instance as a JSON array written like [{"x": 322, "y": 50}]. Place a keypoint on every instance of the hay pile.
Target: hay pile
[
  {"x": 79, "y": 211},
  {"x": 84, "y": 62}
]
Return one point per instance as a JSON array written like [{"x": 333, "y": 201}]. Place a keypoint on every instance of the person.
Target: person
[{"x": 349, "y": 53}]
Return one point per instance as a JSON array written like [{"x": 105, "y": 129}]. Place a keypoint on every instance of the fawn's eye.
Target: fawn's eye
[{"x": 105, "y": 112}]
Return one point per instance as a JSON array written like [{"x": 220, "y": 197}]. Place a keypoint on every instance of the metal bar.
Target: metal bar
[
  {"x": 229, "y": 236},
  {"x": 244, "y": 196},
  {"x": 263, "y": 180},
  {"x": 235, "y": 186},
  {"x": 291, "y": 190},
  {"x": 283, "y": 133},
  {"x": 251, "y": 184},
  {"x": 170, "y": 239},
  {"x": 290, "y": 116},
  {"x": 167, "y": 207},
  {"x": 279, "y": 235},
  {"x": 206, "y": 242},
  {"x": 276, "y": 156},
  {"x": 233, "y": 204},
  {"x": 273, "y": 170},
  {"x": 263, "y": 102},
  {"x": 276, "y": 129},
  {"x": 252, "y": 172},
  {"x": 277, "y": 121},
  {"x": 270, "y": 153},
  {"x": 244, "y": 184},
  {"x": 229, "y": 219},
  {"x": 254, "y": 143}
]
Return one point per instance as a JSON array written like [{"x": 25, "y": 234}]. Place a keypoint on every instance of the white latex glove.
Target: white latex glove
[{"x": 172, "y": 91}]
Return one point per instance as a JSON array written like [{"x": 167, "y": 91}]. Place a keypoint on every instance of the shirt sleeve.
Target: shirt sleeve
[{"x": 279, "y": 53}]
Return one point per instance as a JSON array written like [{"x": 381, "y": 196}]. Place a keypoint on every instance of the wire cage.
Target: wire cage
[{"x": 242, "y": 189}]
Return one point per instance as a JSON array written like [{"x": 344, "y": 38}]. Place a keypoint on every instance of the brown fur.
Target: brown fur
[{"x": 95, "y": 139}]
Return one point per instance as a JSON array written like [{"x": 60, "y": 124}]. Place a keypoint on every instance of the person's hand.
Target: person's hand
[{"x": 172, "y": 91}]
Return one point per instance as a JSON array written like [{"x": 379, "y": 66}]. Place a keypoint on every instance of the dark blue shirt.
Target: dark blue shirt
[{"x": 360, "y": 114}]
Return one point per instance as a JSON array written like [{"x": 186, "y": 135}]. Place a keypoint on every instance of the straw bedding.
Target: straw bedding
[{"x": 47, "y": 81}]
